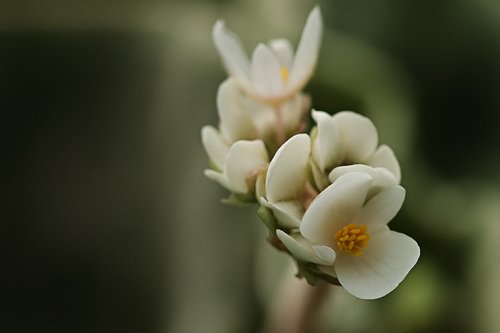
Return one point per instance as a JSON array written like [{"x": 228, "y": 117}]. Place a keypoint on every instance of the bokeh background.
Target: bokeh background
[{"x": 108, "y": 224}]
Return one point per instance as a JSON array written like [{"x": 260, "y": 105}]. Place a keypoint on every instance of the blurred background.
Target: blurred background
[{"x": 108, "y": 224}]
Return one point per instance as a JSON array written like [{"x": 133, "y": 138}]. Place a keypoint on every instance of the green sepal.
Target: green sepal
[
  {"x": 313, "y": 275},
  {"x": 267, "y": 217},
  {"x": 239, "y": 200}
]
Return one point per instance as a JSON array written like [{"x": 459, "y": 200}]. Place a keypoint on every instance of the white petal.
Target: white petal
[
  {"x": 217, "y": 177},
  {"x": 359, "y": 136},
  {"x": 287, "y": 171},
  {"x": 232, "y": 53},
  {"x": 283, "y": 51},
  {"x": 235, "y": 124},
  {"x": 320, "y": 179},
  {"x": 303, "y": 250},
  {"x": 243, "y": 159},
  {"x": 335, "y": 207},
  {"x": 327, "y": 147},
  {"x": 381, "y": 176},
  {"x": 385, "y": 262},
  {"x": 287, "y": 213},
  {"x": 266, "y": 72},
  {"x": 384, "y": 157},
  {"x": 215, "y": 146},
  {"x": 326, "y": 253},
  {"x": 382, "y": 208},
  {"x": 307, "y": 51}
]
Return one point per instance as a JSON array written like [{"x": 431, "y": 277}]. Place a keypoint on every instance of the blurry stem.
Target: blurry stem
[
  {"x": 295, "y": 307},
  {"x": 280, "y": 126}
]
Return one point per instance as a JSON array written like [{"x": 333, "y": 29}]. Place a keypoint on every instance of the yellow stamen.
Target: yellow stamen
[
  {"x": 284, "y": 73},
  {"x": 352, "y": 238}
]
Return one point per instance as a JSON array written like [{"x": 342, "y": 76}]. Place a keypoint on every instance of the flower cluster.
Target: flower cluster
[{"x": 326, "y": 196}]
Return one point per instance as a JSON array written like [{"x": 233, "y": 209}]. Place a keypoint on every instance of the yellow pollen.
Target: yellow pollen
[
  {"x": 352, "y": 238},
  {"x": 284, "y": 73}
]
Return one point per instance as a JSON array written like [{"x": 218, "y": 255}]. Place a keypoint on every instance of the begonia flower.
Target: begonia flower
[
  {"x": 274, "y": 73},
  {"x": 350, "y": 218}
]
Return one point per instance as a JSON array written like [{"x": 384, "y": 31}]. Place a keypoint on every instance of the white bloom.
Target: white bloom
[
  {"x": 242, "y": 118},
  {"x": 351, "y": 218},
  {"x": 243, "y": 163},
  {"x": 274, "y": 74},
  {"x": 347, "y": 138},
  {"x": 286, "y": 181}
]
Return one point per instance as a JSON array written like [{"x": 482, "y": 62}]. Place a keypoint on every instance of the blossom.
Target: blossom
[
  {"x": 238, "y": 168},
  {"x": 274, "y": 73},
  {"x": 286, "y": 181},
  {"x": 350, "y": 216},
  {"x": 347, "y": 138}
]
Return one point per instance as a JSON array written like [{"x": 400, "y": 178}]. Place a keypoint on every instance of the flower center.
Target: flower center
[
  {"x": 284, "y": 73},
  {"x": 352, "y": 238}
]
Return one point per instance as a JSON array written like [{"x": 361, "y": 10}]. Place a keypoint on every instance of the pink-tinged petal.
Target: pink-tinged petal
[
  {"x": 288, "y": 214},
  {"x": 245, "y": 160},
  {"x": 327, "y": 146},
  {"x": 382, "y": 208},
  {"x": 235, "y": 123},
  {"x": 283, "y": 51},
  {"x": 307, "y": 51},
  {"x": 381, "y": 267},
  {"x": 232, "y": 53},
  {"x": 287, "y": 171},
  {"x": 359, "y": 136},
  {"x": 304, "y": 250},
  {"x": 215, "y": 146},
  {"x": 384, "y": 157},
  {"x": 335, "y": 207},
  {"x": 265, "y": 72}
]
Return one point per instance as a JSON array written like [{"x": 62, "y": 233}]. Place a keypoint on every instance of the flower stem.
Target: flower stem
[{"x": 295, "y": 307}]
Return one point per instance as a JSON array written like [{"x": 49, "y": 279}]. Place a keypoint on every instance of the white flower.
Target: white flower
[
  {"x": 274, "y": 73},
  {"x": 242, "y": 118},
  {"x": 286, "y": 181},
  {"x": 350, "y": 217},
  {"x": 240, "y": 166},
  {"x": 347, "y": 138}
]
